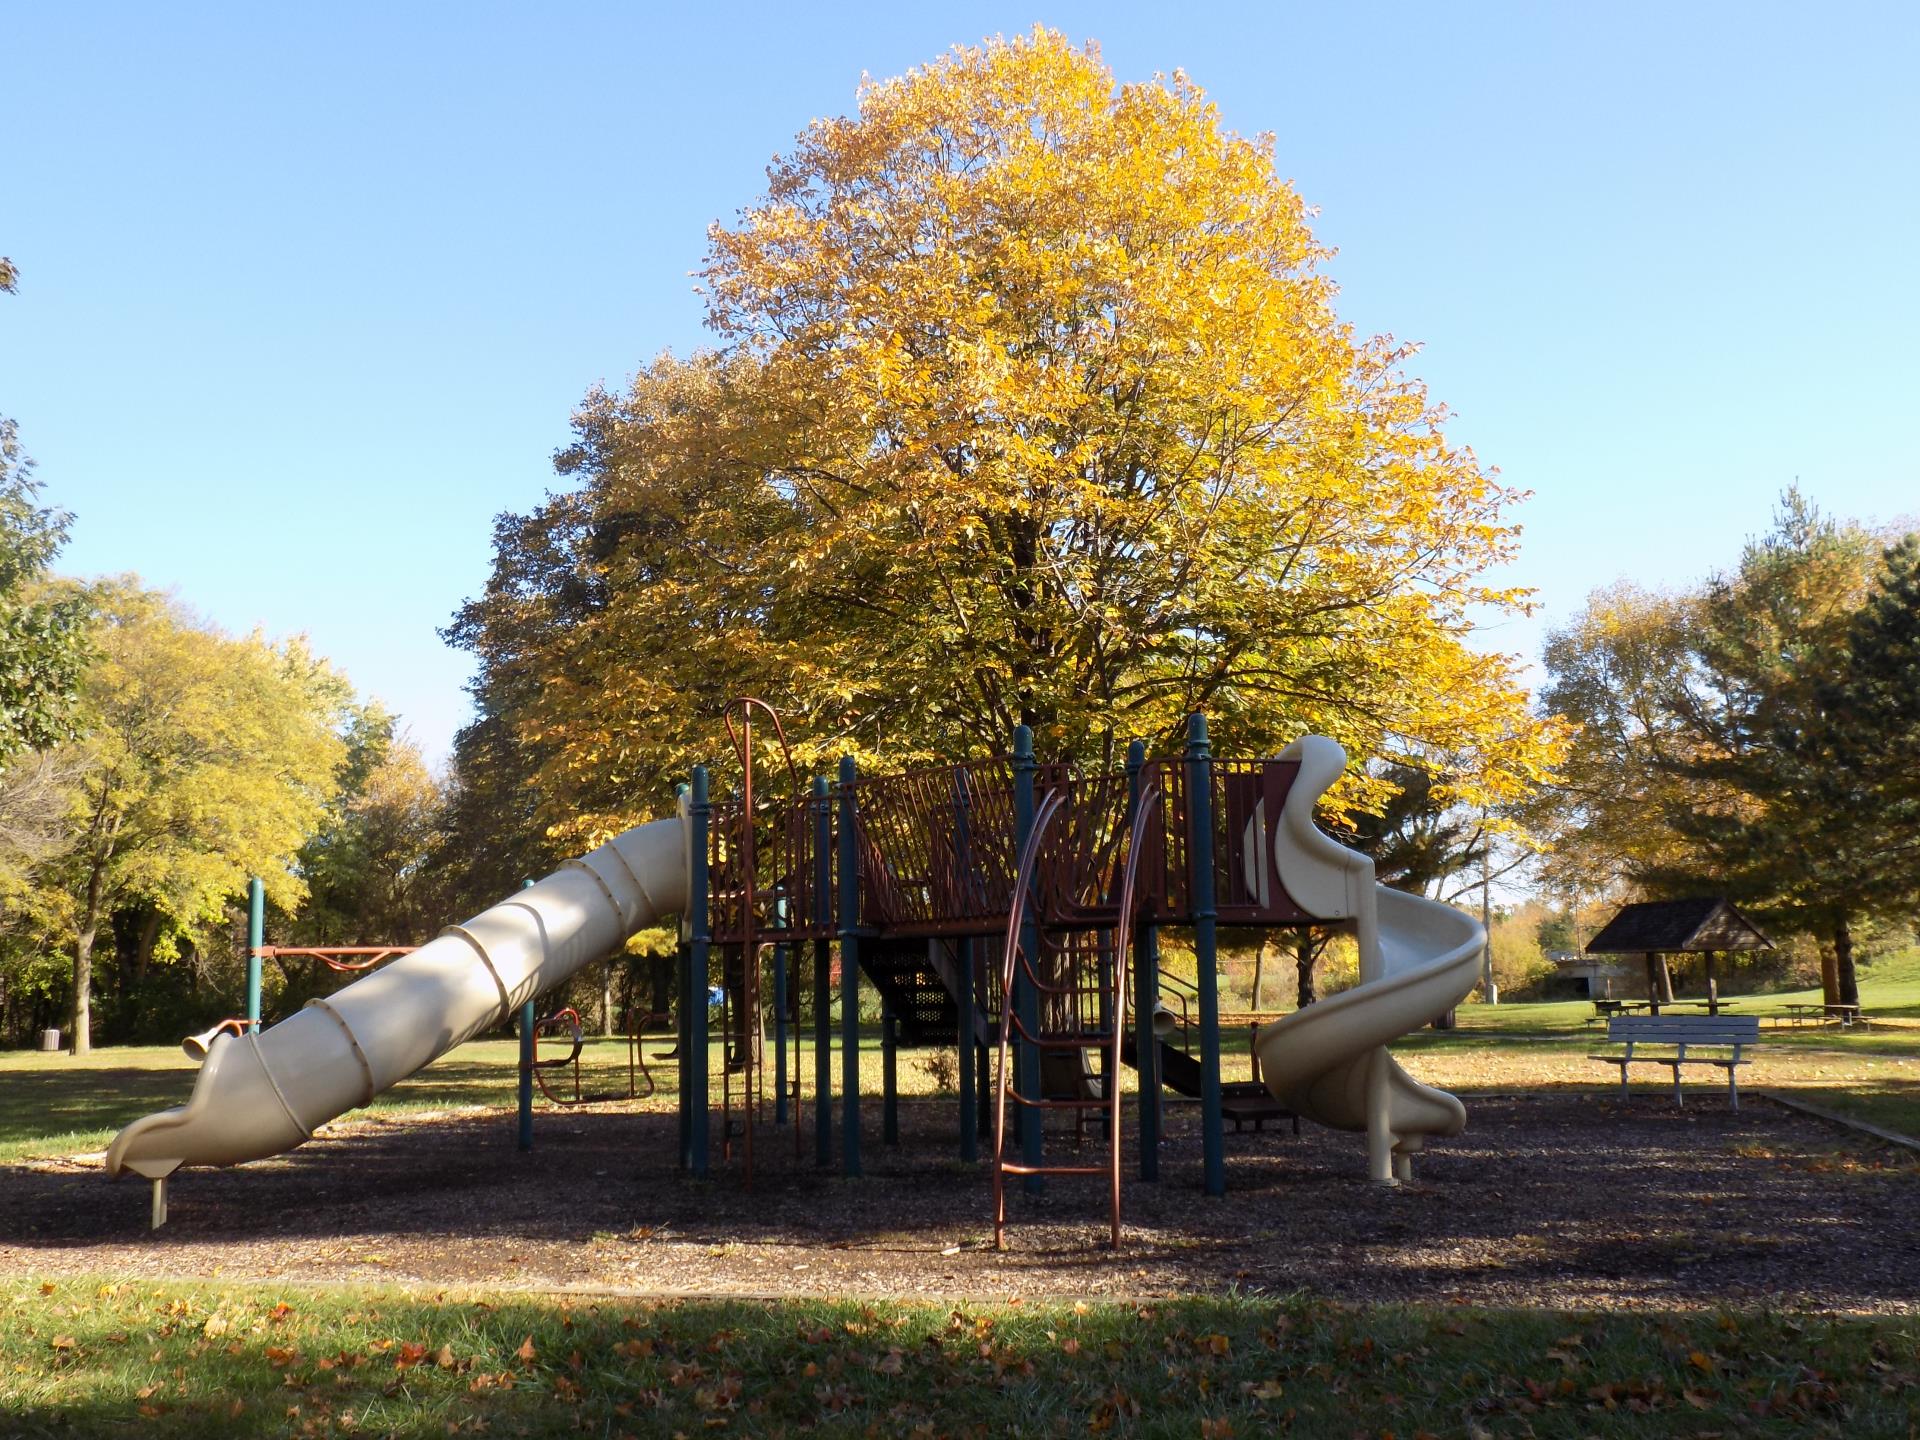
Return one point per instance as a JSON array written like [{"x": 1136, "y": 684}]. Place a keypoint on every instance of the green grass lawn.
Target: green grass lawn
[
  {"x": 92, "y": 1358},
  {"x": 63, "y": 1104}
]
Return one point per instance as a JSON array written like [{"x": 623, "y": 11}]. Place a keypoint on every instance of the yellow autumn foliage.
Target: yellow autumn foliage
[{"x": 1030, "y": 403}]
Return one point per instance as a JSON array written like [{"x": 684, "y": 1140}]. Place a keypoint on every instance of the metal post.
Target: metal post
[
  {"x": 1489, "y": 987},
  {"x": 256, "y": 937},
  {"x": 822, "y": 973},
  {"x": 779, "y": 1034},
  {"x": 683, "y": 1010},
  {"x": 1205, "y": 949},
  {"x": 969, "y": 1120},
  {"x": 1146, "y": 994},
  {"x": 700, "y": 1101},
  {"x": 889, "y": 1077},
  {"x": 683, "y": 1047},
  {"x": 849, "y": 972},
  {"x": 1026, "y": 1000},
  {"x": 527, "y": 1022}
]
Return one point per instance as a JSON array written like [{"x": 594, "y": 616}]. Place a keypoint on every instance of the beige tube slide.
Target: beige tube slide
[
  {"x": 261, "y": 1094},
  {"x": 1418, "y": 959}
]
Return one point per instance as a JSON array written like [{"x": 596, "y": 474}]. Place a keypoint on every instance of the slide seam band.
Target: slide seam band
[
  {"x": 366, "y": 1070},
  {"x": 278, "y": 1093},
  {"x": 506, "y": 1000},
  {"x": 619, "y": 915},
  {"x": 653, "y": 910}
]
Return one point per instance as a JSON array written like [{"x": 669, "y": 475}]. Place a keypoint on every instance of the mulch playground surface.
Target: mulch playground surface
[{"x": 1559, "y": 1200}]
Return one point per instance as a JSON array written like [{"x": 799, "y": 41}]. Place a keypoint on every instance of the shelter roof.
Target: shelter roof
[{"x": 1676, "y": 927}]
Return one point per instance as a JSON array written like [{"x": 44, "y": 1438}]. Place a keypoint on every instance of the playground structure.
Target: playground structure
[{"x": 1008, "y": 908}]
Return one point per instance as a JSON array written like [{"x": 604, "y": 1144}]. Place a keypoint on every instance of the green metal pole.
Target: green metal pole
[
  {"x": 1205, "y": 949},
  {"x": 1026, "y": 1000},
  {"x": 683, "y": 1047},
  {"x": 527, "y": 1022},
  {"x": 256, "y": 937},
  {"x": 849, "y": 971},
  {"x": 965, "y": 1002},
  {"x": 779, "y": 1035},
  {"x": 822, "y": 973},
  {"x": 699, "y": 812},
  {"x": 889, "y": 1077},
  {"x": 969, "y": 1120},
  {"x": 683, "y": 1011},
  {"x": 1146, "y": 994}
]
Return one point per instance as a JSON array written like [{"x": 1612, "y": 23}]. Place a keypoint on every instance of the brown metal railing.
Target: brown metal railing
[{"x": 1079, "y": 977}]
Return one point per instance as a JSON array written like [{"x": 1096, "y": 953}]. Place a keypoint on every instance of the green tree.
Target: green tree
[
  {"x": 1612, "y": 675},
  {"x": 368, "y": 873},
  {"x": 42, "y": 626},
  {"x": 206, "y": 760},
  {"x": 1730, "y": 741},
  {"x": 1763, "y": 758},
  {"x": 1872, "y": 708}
]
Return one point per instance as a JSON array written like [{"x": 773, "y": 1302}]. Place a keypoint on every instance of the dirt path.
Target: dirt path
[{"x": 1556, "y": 1200}]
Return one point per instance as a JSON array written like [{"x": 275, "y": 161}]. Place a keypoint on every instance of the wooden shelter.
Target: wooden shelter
[{"x": 1705, "y": 925}]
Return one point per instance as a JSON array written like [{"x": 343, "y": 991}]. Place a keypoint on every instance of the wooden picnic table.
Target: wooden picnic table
[
  {"x": 1846, "y": 1016},
  {"x": 1607, "y": 1009}
]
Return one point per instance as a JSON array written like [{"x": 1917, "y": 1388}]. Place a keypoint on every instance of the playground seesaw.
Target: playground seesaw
[{"x": 1006, "y": 907}]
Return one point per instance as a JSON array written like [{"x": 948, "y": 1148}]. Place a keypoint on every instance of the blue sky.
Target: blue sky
[{"x": 309, "y": 293}]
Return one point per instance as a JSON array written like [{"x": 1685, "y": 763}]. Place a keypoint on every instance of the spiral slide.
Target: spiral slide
[
  {"x": 264, "y": 1093},
  {"x": 1418, "y": 959}
]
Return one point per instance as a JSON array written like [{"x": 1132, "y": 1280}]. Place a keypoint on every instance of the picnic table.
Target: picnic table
[
  {"x": 1846, "y": 1016},
  {"x": 1607, "y": 1009}
]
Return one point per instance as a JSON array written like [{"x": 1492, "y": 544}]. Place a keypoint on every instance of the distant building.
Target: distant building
[{"x": 1584, "y": 976}]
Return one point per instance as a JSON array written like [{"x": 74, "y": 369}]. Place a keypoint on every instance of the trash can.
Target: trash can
[{"x": 49, "y": 1039}]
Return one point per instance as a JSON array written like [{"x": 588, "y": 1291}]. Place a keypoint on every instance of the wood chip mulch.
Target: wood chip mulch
[{"x": 1558, "y": 1200}]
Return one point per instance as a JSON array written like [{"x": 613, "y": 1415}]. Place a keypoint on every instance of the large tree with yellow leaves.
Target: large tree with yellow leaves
[{"x": 1030, "y": 403}]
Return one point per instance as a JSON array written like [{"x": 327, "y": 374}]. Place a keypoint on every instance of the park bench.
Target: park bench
[{"x": 1679, "y": 1038}]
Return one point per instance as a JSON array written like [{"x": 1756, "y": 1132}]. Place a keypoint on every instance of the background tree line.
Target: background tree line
[
  {"x": 150, "y": 765},
  {"x": 1757, "y": 737}
]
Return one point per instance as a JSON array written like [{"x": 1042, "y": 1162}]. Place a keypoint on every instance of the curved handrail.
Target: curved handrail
[
  {"x": 1122, "y": 947},
  {"x": 1123, "y": 927},
  {"x": 558, "y": 1061},
  {"x": 336, "y": 957},
  {"x": 749, "y": 947},
  {"x": 636, "y": 1062},
  {"x": 1022, "y": 884}
]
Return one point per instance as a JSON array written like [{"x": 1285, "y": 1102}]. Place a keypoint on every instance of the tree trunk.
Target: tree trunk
[
  {"x": 83, "y": 963},
  {"x": 1659, "y": 981},
  {"x": 1259, "y": 971},
  {"x": 1848, "y": 982},
  {"x": 1303, "y": 958},
  {"x": 143, "y": 947},
  {"x": 1829, "y": 977}
]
